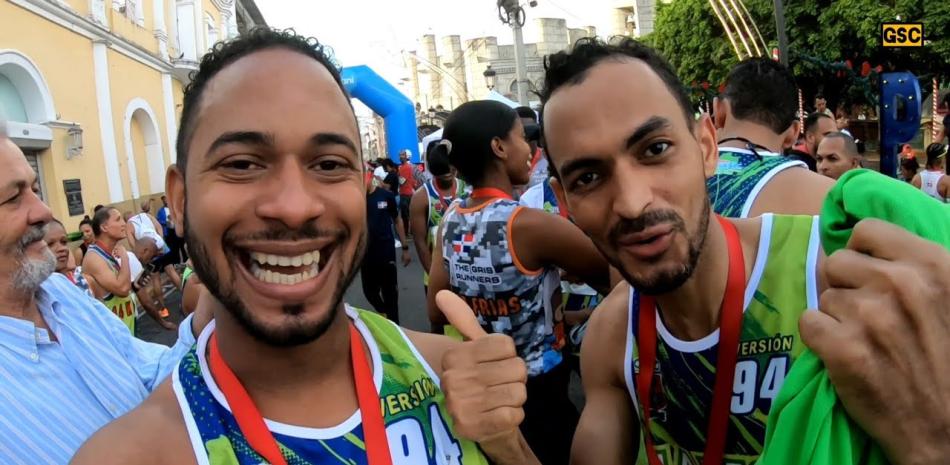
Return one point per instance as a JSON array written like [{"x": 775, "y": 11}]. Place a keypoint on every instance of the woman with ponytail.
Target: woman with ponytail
[{"x": 503, "y": 260}]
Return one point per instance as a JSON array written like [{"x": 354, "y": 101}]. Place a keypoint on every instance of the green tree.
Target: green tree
[{"x": 820, "y": 32}]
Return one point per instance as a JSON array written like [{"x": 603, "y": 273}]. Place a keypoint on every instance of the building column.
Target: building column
[
  {"x": 106, "y": 121},
  {"x": 161, "y": 34},
  {"x": 171, "y": 126}
]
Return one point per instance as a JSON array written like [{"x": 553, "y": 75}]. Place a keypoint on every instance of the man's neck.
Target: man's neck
[
  {"x": 106, "y": 242},
  {"x": 15, "y": 303},
  {"x": 755, "y": 133},
  {"x": 284, "y": 381},
  {"x": 691, "y": 312}
]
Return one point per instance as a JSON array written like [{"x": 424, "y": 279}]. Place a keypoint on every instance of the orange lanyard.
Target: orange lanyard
[
  {"x": 729, "y": 330},
  {"x": 489, "y": 193},
  {"x": 260, "y": 438}
]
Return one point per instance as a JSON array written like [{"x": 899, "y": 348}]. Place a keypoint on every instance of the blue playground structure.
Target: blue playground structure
[{"x": 396, "y": 109}]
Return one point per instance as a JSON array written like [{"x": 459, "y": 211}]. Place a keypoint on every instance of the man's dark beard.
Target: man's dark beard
[
  {"x": 293, "y": 334},
  {"x": 669, "y": 280}
]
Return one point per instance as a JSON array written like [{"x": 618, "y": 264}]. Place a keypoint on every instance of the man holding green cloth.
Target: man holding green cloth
[
  {"x": 880, "y": 275},
  {"x": 695, "y": 350}
]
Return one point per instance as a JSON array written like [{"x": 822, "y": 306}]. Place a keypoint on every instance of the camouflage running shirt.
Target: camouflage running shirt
[{"x": 483, "y": 268}]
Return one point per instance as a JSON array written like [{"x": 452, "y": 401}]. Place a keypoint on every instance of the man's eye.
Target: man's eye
[
  {"x": 240, "y": 165},
  {"x": 586, "y": 179},
  {"x": 657, "y": 148},
  {"x": 329, "y": 165}
]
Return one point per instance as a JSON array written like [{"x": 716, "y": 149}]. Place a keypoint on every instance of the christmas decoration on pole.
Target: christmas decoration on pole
[
  {"x": 933, "y": 116},
  {"x": 801, "y": 112}
]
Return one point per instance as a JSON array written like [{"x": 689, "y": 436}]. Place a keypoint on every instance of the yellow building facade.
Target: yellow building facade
[{"x": 91, "y": 90}]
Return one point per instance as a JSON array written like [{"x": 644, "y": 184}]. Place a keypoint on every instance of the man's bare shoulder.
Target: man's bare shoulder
[
  {"x": 794, "y": 191},
  {"x": 152, "y": 433},
  {"x": 431, "y": 347}
]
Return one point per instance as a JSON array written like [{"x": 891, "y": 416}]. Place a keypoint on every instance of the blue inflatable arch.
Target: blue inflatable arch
[{"x": 397, "y": 110}]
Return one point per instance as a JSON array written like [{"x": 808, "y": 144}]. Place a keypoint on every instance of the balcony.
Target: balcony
[{"x": 182, "y": 69}]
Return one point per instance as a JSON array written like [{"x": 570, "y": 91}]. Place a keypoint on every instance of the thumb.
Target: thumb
[{"x": 459, "y": 314}]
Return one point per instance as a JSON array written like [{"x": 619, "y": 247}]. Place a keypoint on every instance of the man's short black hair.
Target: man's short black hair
[
  {"x": 811, "y": 122},
  {"x": 762, "y": 91},
  {"x": 570, "y": 67},
  {"x": 527, "y": 112},
  {"x": 850, "y": 146},
  {"x": 225, "y": 53},
  {"x": 100, "y": 218}
]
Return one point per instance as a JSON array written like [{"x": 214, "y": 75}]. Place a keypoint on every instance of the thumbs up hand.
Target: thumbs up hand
[{"x": 483, "y": 378}]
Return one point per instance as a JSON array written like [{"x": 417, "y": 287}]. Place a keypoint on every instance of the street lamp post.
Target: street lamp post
[
  {"x": 490, "y": 76},
  {"x": 511, "y": 13}
]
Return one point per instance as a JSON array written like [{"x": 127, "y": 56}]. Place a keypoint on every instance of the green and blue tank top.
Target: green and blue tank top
[
  {"x": 740, "y": 176},
  {"x": 122, "y": 307},
  {"x": 783, "y": 285},
  {"x": 437, "y": 206},
  {"x": 417, "y": 423}
]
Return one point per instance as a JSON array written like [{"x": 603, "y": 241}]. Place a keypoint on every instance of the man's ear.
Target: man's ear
[
  {"x": 705, "y": 133},
  {"x": 175, "y": 191},
  {"x": 719, "y": 112},
  {"x": 790, "y": 136}
]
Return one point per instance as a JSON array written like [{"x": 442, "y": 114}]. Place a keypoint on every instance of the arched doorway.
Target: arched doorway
[
  {"x": 144, "y": 157},
  {"x": 26, "y": 105}
]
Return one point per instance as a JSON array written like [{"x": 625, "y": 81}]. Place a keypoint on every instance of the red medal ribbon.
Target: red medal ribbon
[
  {"x": 260, "y": 438},
  {"x": 490, "y": 193},
  {"x": 730, "y": 327}
]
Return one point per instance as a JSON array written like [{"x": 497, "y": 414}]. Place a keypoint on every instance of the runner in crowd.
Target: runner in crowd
[
  {"x": 429, "y": 204},
  {"x": 933, "y": 180},
  {"x": 756, "y": 121},
  {"x": 107, "y": 269},
  {"x": 503, "y": 259}
]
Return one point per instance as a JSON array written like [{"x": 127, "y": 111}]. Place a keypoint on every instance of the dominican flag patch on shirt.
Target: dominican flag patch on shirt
[{"x": 464, "y": 244}]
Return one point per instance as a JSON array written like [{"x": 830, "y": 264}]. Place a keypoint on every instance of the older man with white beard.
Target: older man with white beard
[{"x": 68, "y": 366}]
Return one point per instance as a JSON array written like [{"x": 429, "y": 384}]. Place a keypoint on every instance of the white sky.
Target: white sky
[{"x": 374, "y": 32}]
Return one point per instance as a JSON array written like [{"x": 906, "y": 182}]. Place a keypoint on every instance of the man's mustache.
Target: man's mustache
[
  {"x": 35, "y": 233},
  {"x": 651, "y": 218}
]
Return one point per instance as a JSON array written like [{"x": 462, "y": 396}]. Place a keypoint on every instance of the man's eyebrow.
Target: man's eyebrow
[
  {"x": 641, "y": 132},
  {"x": 651, "y": 125},
  {"x": 243, "y": 137},
  {"x": 333, "y": 138},
  {"x": 579, "y": 164}
]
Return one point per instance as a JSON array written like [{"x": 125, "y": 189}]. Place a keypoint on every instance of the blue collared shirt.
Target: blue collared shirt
[{"x": 55, "y": 394}]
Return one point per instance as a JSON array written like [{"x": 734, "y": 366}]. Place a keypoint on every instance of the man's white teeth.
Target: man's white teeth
[
  {"x": 274, "y": 277},
  {"x": 282, "y": 260}
]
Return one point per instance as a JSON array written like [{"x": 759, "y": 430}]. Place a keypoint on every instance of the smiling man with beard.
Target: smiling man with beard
[
  {"x": 68, "y": 365},
  {"x": 269, "y": 184}
]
